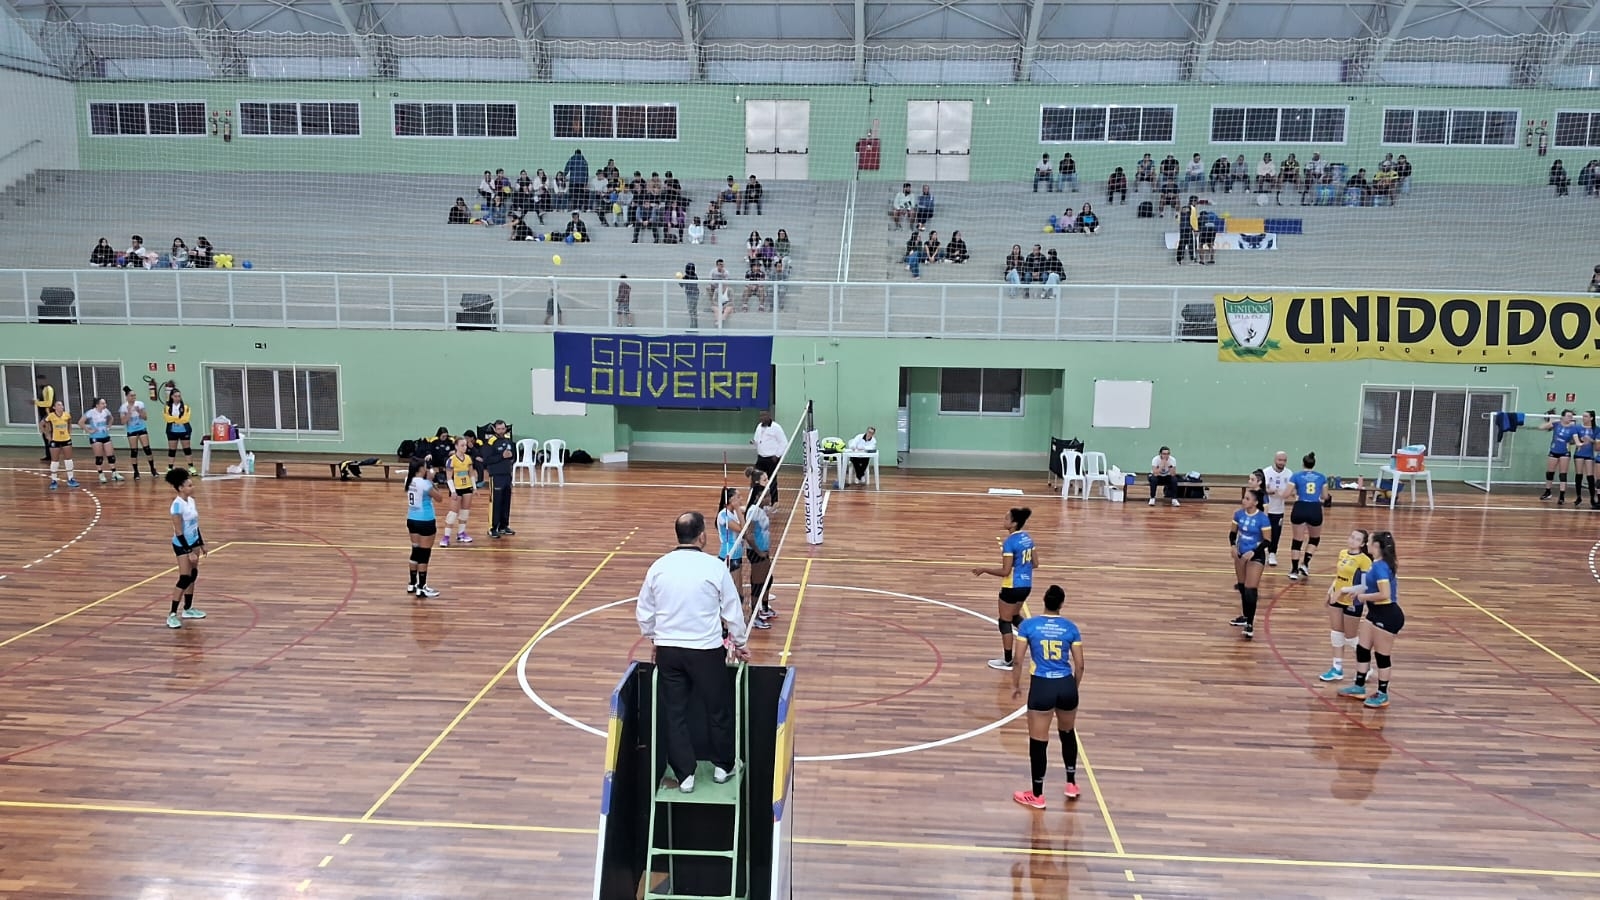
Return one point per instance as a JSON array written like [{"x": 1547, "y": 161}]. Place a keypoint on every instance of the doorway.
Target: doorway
[
  {"x": 938, "y": 140},
  {"x": 777, "y": 139}
]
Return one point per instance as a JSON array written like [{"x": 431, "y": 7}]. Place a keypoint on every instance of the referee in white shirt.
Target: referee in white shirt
[
  {"x": 1278, "y": 476},
  {"x": 688, "y": 598},
  {"x": 770, "y": 442}
]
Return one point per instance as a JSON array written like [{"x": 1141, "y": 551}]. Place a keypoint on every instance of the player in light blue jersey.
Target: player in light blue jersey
[
  {"x": 1309, "y": 490},
  {"x": 759, "y": 537},
  {"x": 1583, "y": 461},
  {"x": 421, "y": 522},
  {"x": 1055, "y": 647},
  {"x": 97, "y": 422},
  {"x": 1018, "y": 556},
  {"x": 730, "y": 537},
  {"x": 1249, "y": 541},
  {"x": 1564, "y": 431},
  {"x": 135, "y": 420},
  {"x": 187, "y": 544}
]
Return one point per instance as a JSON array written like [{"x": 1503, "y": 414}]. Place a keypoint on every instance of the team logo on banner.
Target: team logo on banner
[{"x": 1249, "y": 321}]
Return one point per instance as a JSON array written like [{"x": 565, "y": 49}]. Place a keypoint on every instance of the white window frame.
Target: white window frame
[
  {"x": 1556, "y": 117},
  {"x": 1449, "y": 126},
  {"x": 1022, "y": 396},
  {"x": 207, "y": 370},
  {"x": 300, "y": 118},
  {"x": 88, "y": 114},
  {"x": 1472, "y": 428},
  {"x": 1313, "y": 141},
  {"x": 1107, "y": 131},
  {"x": 455, "y": 121},
  {"x": 112, "y": 395},
  {"x": 677, "y": 121}
]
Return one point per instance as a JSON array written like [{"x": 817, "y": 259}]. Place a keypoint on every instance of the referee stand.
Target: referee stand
[{"x": 726, "y": 841}]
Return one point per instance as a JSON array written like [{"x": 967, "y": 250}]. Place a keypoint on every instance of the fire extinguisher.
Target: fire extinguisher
[
  {"x": 154, "y": 389},
  {"x": 215, "y": 116},
  {"x": 227, "y": 126},
  {"x": 1527, "y": 135},
  {"x": 1544, "y": 136}
]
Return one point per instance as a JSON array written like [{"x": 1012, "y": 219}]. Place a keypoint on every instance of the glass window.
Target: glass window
[
  {"x": 1397, "y": 126},
  {"x": 662, "y": 123},
  {"x": 1055, "y": 124},
  {"x": 597, "y": 121},
  {"x": 163, "y": 118},
  {"x": 1123, "y": 124},
  {"x": 1227, "y": 125},
  {"x": 102, "y": 118},
  {"x": 502, "y": 120},
  {"x": 1261, "y": 124},
  {"x": 344, "y": 119},
  {"x": 1432, "y": 125},
  {"x": 438, "y": 119},
  {"x": 631, "y": 123},
  {"x": 1089, "y": 123},
  {"x": 408, "y": 120}
]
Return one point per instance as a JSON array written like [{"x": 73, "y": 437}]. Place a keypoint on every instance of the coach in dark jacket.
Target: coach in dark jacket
[{"x": 497, "y": 453}]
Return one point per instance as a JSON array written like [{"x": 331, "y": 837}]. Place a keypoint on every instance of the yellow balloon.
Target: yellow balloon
[
  {"x": 556, "y": 259},
  {"x": 577, "y": 237},
  {"x": 616, "y": 209},
  {"x": 1049, "y": 229}
]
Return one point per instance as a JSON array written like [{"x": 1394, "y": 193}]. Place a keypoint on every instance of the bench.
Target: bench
[{"x": 281, "y": 466}]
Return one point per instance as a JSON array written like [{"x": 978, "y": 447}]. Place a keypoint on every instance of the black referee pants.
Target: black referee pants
[
  {"x": 769, "y": 465},
  {"x": 500, "y": 495},
  {"x": 695, "y": 681}
]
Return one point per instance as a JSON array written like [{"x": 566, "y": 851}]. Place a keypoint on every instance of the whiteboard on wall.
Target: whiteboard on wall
[
  {"x": 544, "y": 397},
  {"x": 1122, "y": 404}
]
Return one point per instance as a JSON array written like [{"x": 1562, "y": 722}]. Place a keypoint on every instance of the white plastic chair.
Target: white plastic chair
[
  {"x": 1397, "y": 478},
  {"x": 1094, "y": 471},
  {"x": 527, "y": 460},
  {"x": 1072, "y": 470},
  {"x": 555, "y": 452}
]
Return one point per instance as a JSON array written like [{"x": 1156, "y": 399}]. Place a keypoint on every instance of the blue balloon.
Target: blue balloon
[
  {"x": 1052, "y": 221},
  {"x": 570, "y": 239},
  {"x": 247, "y": 264}
]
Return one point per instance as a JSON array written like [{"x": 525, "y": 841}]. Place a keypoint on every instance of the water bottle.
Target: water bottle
[{"x": 249, "y": 463}]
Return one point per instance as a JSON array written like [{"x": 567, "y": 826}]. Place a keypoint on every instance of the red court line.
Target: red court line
[{"x": 1532, "y": 679}]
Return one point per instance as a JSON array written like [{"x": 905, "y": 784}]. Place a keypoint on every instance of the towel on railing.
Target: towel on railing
[{"x": 1507, "y": 422}]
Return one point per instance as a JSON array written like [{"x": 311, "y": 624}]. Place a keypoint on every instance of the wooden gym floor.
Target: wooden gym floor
[{"x": 321, "y": 734}]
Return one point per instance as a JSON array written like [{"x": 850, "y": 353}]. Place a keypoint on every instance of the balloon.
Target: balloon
[
  {"x": 578, "y": 236},
  {"x": 1053, "y": 220},
  {"x": 1049, "y": 229},
  {"x": 570, "y": 239},
  {"x": 616, "y": 209},
  {"x": 677, "y": 275},
  {"x": 247, "y": 264},
  {"x": 556, "y": 259}
]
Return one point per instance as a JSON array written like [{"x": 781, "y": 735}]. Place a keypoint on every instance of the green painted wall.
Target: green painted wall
[
  {"x": 932, "y": 430},
  {"x": 711, "y": 121},
  {"x": 1219, "y": 417}
]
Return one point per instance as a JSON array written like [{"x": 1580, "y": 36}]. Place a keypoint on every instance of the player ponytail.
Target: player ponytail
[
  {"x": 1309, "y": 460},
  {"x": 1386, "y": 550},
  {"x": 176, "y": 477},
  {"x": 1019, "y": 516},
  {"x": 1054, "y": 597},
  {"x": 418, "y": 463}
]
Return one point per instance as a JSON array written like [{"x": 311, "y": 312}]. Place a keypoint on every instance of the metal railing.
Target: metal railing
[{"x": 1098, "y": 312}]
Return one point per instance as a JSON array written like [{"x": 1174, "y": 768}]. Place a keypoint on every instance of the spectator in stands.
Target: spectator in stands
[
  {"x": 1402, "y": 167},
  {"x": 647, "y": 214},
  {"x": 1043, "y": 172},
  {"x": 1388, "y": 163},
  {"x": 577, "y": 170},
  {"x": 1067, "y": 222},
  {"x": 714, "y": 217},
  {"x": 925, "y": 206},
  {"x": 1594, "y": 281},
  {"x": 752, "y": 245},
  {"x": 612, "y": 174},
  {"x": 1016, "y": 271},
  {"x": 524, "y": 180},
  {"x": 1196, "y": 173},
  {"x": 914, "y": 257},
  {"x": 1559, "y": 179},
  {"x": 1358, "y": 183},
  {"x": 956, "y": 250},
  {"x": 779, "y": 275},
  {"x": 1067, "y": 173},
  {"x": 1267, "y": 178},
  {"x": 522, "y": 199},
  {"x": 102, "y": 255},
  {"x": 1054, "y": 273},
  {"x": 1386, "y": 185},
  {"x": 932, "y": 248},
  {"x": 1316, "y": 167},
  {"x": 755, "y": 285},
  {"x": 768, "y": 254},
  {"x": 673, "y": 224},
  {"x": 1167, "y": 195},
  {"x": 1144, "y": 171},
  {"x": 1188, "y": 224},
  {"x": 751, "y": 196},
  {"x": 720, "y": 298},
  {"x": 673, "y": 188},
  {"x": 1289, "y": 172},
  {"x": 624, "y": 301},
  {"x": 1088, "y": 222},
  {"x": 577, "y": 229},
  {"x": 486, "y": 186},
  {"x": 1117, "y": 184},
  {"x": 730, "y": 195},
  {"x": 1240, "y": 172},
  {"x": 494, "y": 211},
  {"x": 179, "y": 257},
  {"x": 691, "y": 293},
  {"x": 783, "y": 246},
  {"x": 139, "y": 256},
  {"x": 1034, "y": 265},
  {"x": 543, "y": 195},
  {"x": 560, "y": 191},
  {"x": 201, "y": 257},
  {"x": 697, "y": 232},
  {"x": 1169, "y": 167},
  {"x": 1208, "y": 238},
  {"x": 599, "y": 196},
  {"x": 519, "y": 228},
  {"x": 902, "y": 209},
  {"x": 1219, "y": 175}
]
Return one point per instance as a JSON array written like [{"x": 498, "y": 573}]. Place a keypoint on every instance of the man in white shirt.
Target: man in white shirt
[
  {"x": 1277, "y": 481},
  {"x": 1267, "y": 176},
  {"x": 903, "y": 209},
  {"x": 687, "y": 600},
  {"x": 770, "y": 443},
  {"x": 1164, "y": 472},
  {"x": 1044, "y": 172},
  {"x": 865, "y": 442},
  {"x": 1196, "y": 174}
]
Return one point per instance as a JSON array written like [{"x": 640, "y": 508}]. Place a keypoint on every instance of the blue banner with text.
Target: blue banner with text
[{"x": 681, "y": 370}]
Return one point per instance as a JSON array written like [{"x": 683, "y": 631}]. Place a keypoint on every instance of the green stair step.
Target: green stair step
[{"x": 706, "y": 789}]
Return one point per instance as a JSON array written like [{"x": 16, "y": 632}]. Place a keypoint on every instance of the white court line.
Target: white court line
[
  {"x": 522, "y": 679},
  {"x": 1592, "y": 570},
  {"x": 98, "y": 509}
]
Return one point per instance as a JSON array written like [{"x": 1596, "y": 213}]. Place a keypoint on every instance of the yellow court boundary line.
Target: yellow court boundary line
[
  {"x": 1517, "y": 631},
  {"x": 484, "y": 691},
  {"x": 1100, "y": 798},
  {"x": 106, "y": 599},
  {"x": 794, "y": 614}
]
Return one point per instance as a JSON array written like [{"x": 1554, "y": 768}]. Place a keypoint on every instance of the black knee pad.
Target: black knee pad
[
  {"x": 150, "y": 452},
  {"x": 1296, "y": 544},
  {"x": 112, "y": 459},
  {"x": 100, "y": 460},
  {"x": 184, "y": 581},
  {"x": 423, "y": 555},
  {"x": 188, "y": 451},
  {"x": 1314, "y": 542},
  {"x": 1363, "y": 654},
  {"x": 1016, "y": 621},
  {"x": 416, "y": 554},
  {"x": 172, "y": 453},
  {"x": 1384, "y": 660},
  {"x": 1004, "y": 626}
]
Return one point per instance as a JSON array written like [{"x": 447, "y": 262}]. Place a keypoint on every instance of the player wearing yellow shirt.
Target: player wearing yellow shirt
[
  {"x": 178, "y": 431},
  {"x": 57, "y": 430},
  {"x": 1344, "y": 612},
  {"x": 43, "y": 399},
  {"x": 460, "y": 465}
]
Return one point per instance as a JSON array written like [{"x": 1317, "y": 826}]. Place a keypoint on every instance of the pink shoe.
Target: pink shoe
[
  {"x": 463, "y": 538},
  {"x": 445, "y": 541},
  {"x": 1071, "y": 791},
  {"x": 1029, "y": 798}
]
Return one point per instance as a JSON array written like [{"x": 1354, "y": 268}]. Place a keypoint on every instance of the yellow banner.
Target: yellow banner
[{"x": 1543, "y": 329}]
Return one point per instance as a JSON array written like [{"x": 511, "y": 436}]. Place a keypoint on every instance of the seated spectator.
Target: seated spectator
[
  {"x": 1088, "y": 222},
  {"x": 1386, "y": 184},
  {"x": 730, "y": 194},
  {"x": 1267, "y": 178},
  {"x": 1016, "y": 270},
  {"x": 1289, "y": 172},
  {"x": 486, "y": 186},
  {"x": 1359, "y": 185},
  {"x": 1034, "y": 264},
  {"x": 612, "y": 174},
  {"x": 1559, "y": 179},
  {"x": 674, "y": 191},
  {"x": 647, "y": 214},
  {"x": 779, "y": 275},
  {"x": 1315, "y": 168},
  {"x": 494, "y": 210},
  {"x": 1168, "y": 195},
  {"x": 1402, "y": 168},
  {"x": 714, "y": 219},
  {"x": 767, "y": 255},
  {"x": 956, "y": 250},
  {"x": 1067, "y": 222},
  {"x": 1388, "y": 163},
  {"x": 1054, "y": 273},
  {"x": 902, "y": 207},
  {"x": 1117, "y": 184},
  {"x": 1067, "y": 173},
  {"x": 1594, "y": 281},
  {"x": 522, "y": 199},
  {"x": 519, "y": 228},
  {"x": 914, "y": 253},
  {"x": 783, "y": 246},
  {"x": 201, "y": 256},
  {"x": 179, "y": 257},
  {"x": 672, "y": 227},
  {"x": 752, "y": 245},
  {"x": 932, "y": 249},
  {"x": 139, "y": 256},
  {"x": 1144, "y": 171},
  {"x": 755, "y": 285},
  {"x": 1219, "y": 175},
  {"x": 102, "y": 255},
  {"x": 925, "y": 206},
  {"x": 600, "y": 194},
  {"x": 1196, "y": 174},
  {"x": 1043, "y": 172},
  {"x": 560, "y": 191},
  {"x": 1164, "y": 474},
  {"x": 1240, "y": 172},
  {"x": 524, "y": 180},
  {"x": 696, "y": 232},
  {"x": 1169, "y": 167},
  {"x": 751, "y": 196},
  {"x": 577, "y": 229},
  {"x": 459, "y": 214}
]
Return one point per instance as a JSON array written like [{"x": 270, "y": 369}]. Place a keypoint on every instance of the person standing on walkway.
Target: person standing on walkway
[
  {"x": 687, "y": 603},
  {"x": 770, "y": 443},
  {"x": 44, "y": 400},
  {"x": 496, "y": 454}
]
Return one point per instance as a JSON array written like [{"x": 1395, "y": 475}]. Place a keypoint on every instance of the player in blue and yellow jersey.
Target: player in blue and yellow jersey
[
  {"x": 1309, "y": 489},
  {"x": 1565, "y": 431},
  {"x": 1380, "y": 592},
  {"x": 1583, "y": 461},
  {"x": 1018, "y": 556},
  {"x": 1249, "y": 540},
  {"x": 1055, "y": 647},
  {"x": 56, "y": 426},
  {"x": 1344, "y": 613},
  {"x": 421, "y": 524},
  {"x": 459, "y": 467}
]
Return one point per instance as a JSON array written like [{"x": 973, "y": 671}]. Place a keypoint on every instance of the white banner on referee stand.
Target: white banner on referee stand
[{"x": 811, "y": 489}]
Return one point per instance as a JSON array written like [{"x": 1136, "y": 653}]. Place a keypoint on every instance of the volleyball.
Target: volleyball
[
  {"x": 556, "y": 259},
  {"x": 678, "y": 275},
  {"x": 833, "y": 445}
]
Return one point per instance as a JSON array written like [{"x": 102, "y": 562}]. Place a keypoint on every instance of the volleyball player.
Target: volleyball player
[
  {"x": 1018, "y": 556},
  {"x": 97, "y": 422},
  {"x": 57, "y": 430},
  {"x": 1344, "y": 612},
  {"x": 135, "y": 420},
  {"x": 1249, "y": 540},
  {"x": 759, "y": 537},
  {"x": 421, "y": 491},
  {"x": 1056, "y": 648},
  {"x": 187, "y": 544},
  {"x": 179, "y": 430},
  {"x": 1275, "y": 478},
  {"x": 730, "y": 543},
  {"x": 1309, "y": 488},
  {"x": 1380, "y": 592},
  {"x": 1583, "y": 461},
  {"x": 1555, "y": 466},
  {"x": 461, "y": 481}
]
